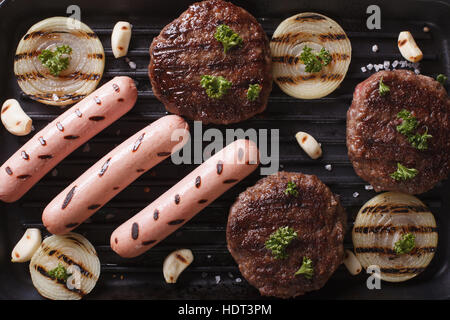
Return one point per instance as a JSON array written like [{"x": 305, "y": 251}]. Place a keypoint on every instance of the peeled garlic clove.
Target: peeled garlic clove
[
  {"x": 408, "y": 47},
  {"x": 175, "y": 263},
  {"x": 309, "y": 144},
  {"x": 15, "y": 120},
  {"x": 120, "y": 38},
  {"x": 27, "y": 246},
  {"x": 352, "y": 263}
]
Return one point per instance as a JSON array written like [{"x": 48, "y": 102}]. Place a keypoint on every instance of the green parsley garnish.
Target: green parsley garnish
[
  {"x": 279, "y": 240},
  {"x": 291, "y": 189},
  {"x": 408, "y": 125},
  {"x": 306, "y": 269},
  {"x": 56, "y": 61},
  {"x": 253, "y": 92},
  {"x": 404, "y": 173},
  {"x": 383, "y": 88},
  {"x": 227, "y": 37},
  {"x": 315, "y": 61},
  {"x": 59, "y": 273},
  {"x": 442, "y": 79},
  {"x": 216, "y": 87},
  {"x": 406, "y": 244}
]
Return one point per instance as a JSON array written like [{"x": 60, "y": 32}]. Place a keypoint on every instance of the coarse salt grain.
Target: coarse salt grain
[
  {"x": 328, "y": 167},
  {"x": 377, "y": 68},
  {"x": 132, "y": 65},
  {"x": 386, "y": 64},
  {"x": 217, "y": 279},
  {"x": 374, "y": 48},
  {"x": 370, "y": 66},
  {"x": 238, "y": 280},
  {"x": 395, "y": 64},
  {"x": 355, "y": 194},
  {"x": 363, "y": 69},
  {"x": 416, "y": 71},
  {"x": 368, "y": 187}
]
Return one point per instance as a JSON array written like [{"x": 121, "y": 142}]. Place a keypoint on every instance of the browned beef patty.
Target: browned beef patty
[
  {"x": 317, "y": 217},
  {"x": 374, "y": 144},
  {"x": 186, "y": 49}
]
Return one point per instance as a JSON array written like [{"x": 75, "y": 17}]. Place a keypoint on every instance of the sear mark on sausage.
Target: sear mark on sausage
[
  {"x": 219, "y": 167},
  {"x": 146, "y": 243},
  {"x": 135, "y": 231},
  {"x": 94, "y": 206},
  {"x": 155, "y": 214},
  {"x": 175, "y": 222},
  {"x": 97, "y": 118},
  {"x": 229, "y": 181},
  {"x": 25, "y": 156},
  {"x": 116, "y": 241},
  {"x": 68, "y": 198},
  {"x": 120, "y": 100},
  {"x": 104, "y": 168},
  {"x": 71, "y": 137},
  {"x": 78, "y": 113},
  {"x": 202, "y": 201},
  {"x": 8, "y": 171},
  {"x": 42, "y": 141},
  {"x": 45, "y": 156},
  {"x": 24, "y": 176},
  {"x": 163, "y": 154},
  {"x": 177, "y": 199},
  {"x": 116, "y": 188},
  {"x": 198, "y": 182},
  {"x": 140, "y": 170},
  {"x": 98, "y": 101},
  {"x": 116, "y": 87},
  {"x": 138, "y": 142}
]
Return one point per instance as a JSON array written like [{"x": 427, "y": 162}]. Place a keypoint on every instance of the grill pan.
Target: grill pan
[{"x": 214, "y": 274}]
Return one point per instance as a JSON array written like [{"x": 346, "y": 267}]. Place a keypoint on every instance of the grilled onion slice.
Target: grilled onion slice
[
  {"x": 315, "y": 31},
  {"x": 85, "y": 69},
  {"x": 381, "y": 222},
  {"x": 78, "y": 257}
]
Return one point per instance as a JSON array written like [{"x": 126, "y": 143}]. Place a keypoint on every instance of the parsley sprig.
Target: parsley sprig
[
  {"x": 291, "y": 189},
  {"x": 441, "y": 78},
  {"x": 279, "y": 240},
  {"x": 216, "y": 87},
  {"x": 408, "y": 126},
  {"x": 59, "y": 273},
  {"x": 314, "y": 62},
  {"x": 403, "y": 173},
  {"x": 383, "y": 89},
  {"x": 229, "y": 39},
  {"x": 405, "y": 244},
  {"x": 56, "y": 61},
  {"x": 253, "y": 92},
  {"x": 306, "y": 269}
]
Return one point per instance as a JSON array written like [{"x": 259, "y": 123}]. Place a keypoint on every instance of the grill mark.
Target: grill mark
[
  {"x": 181, "y": 258},
  {"x": 287, "y": 59},
  {"x": 116, "y": 188},
  {"x": 45, "y": 156},
  {"x": 332, "y": 36},
  {"x": 42, "y": 141},
  {"x": 97, "y": 118},
  {"x": 97, "y": 100},
  {"x": 59, "y": 126},
  {"x": 175, "y": 222},
  {"x": 81, "y": 76},
  {"x": 219, "y": 167},
  {"x": 68, "y": 198},
  {"x": 120, "y": 100},
  {"x": 202, "y": 201},
  {"x": 95, "y": 56},
  {"x": 140, "y": 170},
  {"x": 394, "y": 209},
  {"x": 71, "y": 225},
  {"x": 229, "y": 181},
  {"x": 393, "y": 229},
  {"x": 94, "y": 206},
  {"x": 49, "y": 97},
  {"x": 155, "y": 214},
  {"x": 71, "y": 137},
  {"x": 148, "y": 242},
  {"x": 78, "y": 113},
  {"x": 310, "y": 18},
  {"x": 401, "y": 43},
  {"x": 389, "y": 251},
  {"x": 24, "y": 176},
  {"x": 402, "y": 270},
  {"x": 340, "y": 56},
  {"x": 198, "y": 182},
  {"x": 25, "y": 156},
  {"x": 26, "y": 55},
  {"x": 5, "y": 108},
  {"x": 30, "y": 76},
  {"x": 44, "y": 272},
  {"x": 138, "y": 142},
  {"x": 69, "y": 261},
  {"x": 177, "y": 199},
  {"x": 295, "y": 80},
  {"x": 104, "y": 168},
  {"x": 8, "y": 171},
  {"x": 163, "y": 154},
  {"x": 135, "y": 231},
  {"x": 116, "y": 87}
]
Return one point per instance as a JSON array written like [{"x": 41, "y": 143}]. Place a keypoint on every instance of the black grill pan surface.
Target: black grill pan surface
[{"x": 214, "y": 274}]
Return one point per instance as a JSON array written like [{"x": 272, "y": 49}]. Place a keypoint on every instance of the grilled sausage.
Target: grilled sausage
[
  {"x": 65, "y": 134},
  {"x": 110, "y": 175},
  {"x": 184, "y": 200}
]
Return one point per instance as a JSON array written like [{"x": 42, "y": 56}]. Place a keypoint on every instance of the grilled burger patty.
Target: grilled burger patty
[
  {"x": 374, "y": 144},
  {"x": 186, "y": 49},
  {"x": 315, "y": 214}
]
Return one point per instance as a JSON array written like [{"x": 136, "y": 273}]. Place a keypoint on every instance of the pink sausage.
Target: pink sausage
[
  {"x": 184, "y": 200},
  {"x": 65, "y": 134},
  {"x": 110, "y": 175}
]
